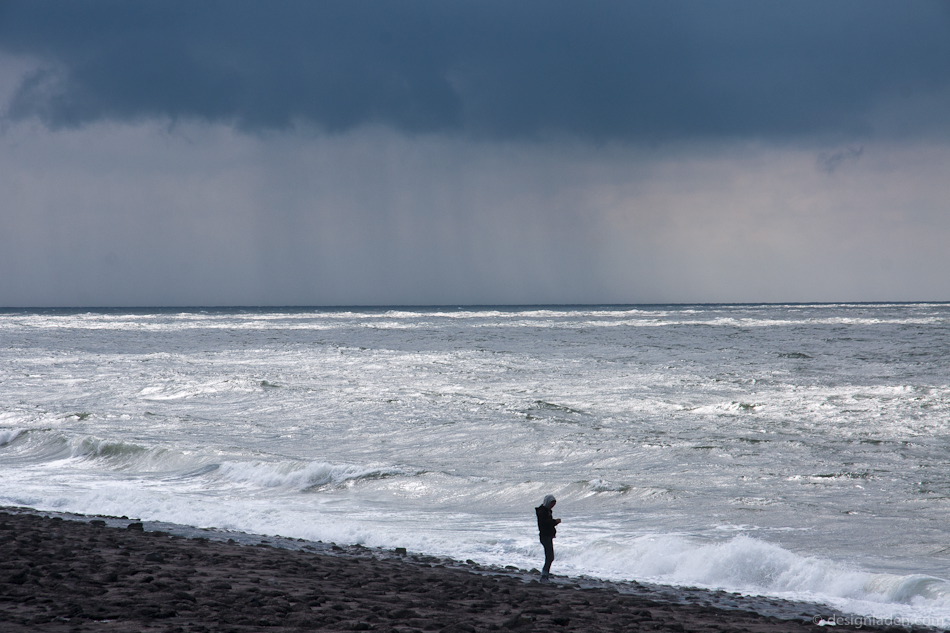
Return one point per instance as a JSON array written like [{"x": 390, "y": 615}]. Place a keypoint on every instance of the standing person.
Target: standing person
[{"x": 547, "y": 532}]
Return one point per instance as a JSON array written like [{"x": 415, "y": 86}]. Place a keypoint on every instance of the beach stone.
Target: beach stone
[
  {"x": 157, "y": 612},
  {"x": 137, "y": 527},
  {"x": 516, "y": 621},
  {"x": 72, "y": 610},
  {"x": 184, "y": 595},
  {"x": 458, "y": 627},
  {"x": 18, "y": 578},
  {"x": 538, "y": 611}
]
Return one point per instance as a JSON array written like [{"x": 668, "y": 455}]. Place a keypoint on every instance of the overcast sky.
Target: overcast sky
[{"x": 473, "y": 152}]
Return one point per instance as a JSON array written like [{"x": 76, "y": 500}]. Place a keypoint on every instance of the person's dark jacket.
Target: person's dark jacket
[{"x": 546, "y": 524}]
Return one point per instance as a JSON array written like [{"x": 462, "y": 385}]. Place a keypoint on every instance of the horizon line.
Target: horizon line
[{"x": 461, "y": 306}]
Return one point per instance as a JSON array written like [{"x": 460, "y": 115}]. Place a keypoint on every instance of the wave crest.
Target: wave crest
[
  {"x": 39, "y": 446},
  {"x": 306, "y": 476},
  {"x": 9, "y": 436}
]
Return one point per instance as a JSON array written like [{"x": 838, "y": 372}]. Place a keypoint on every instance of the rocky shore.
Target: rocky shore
[{"x": 65, "y": 575}]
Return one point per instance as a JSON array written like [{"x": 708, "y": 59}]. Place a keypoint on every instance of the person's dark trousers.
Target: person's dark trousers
[{"x": 548, "y": 544}]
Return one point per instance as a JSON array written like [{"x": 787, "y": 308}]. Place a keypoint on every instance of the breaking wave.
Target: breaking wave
[
  {"x": 8, "y": 436},
  {"x": 44, "y": 446},
  {"x": 305, "y": 476},
  {"x": 755, "y": 567}
]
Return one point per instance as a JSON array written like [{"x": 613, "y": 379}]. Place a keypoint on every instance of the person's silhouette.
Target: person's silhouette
[{"x": 547, "y": 530}]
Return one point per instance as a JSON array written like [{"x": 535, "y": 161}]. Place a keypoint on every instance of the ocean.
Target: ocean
[{"x": 791, "y": 451}]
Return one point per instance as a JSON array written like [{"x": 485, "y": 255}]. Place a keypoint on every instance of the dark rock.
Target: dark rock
[
  {"x": 18, "y": 578},
  {"x": 539, "y": 611},
  {"x": 156, "y": 612},
  {"x": 184, "y": 595},
  {"x": 459, "y": 627},
  {"x": 516, "y": 621}
]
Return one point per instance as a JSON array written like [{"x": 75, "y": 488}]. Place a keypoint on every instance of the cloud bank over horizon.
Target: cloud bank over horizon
[
  {"x": 301, "y": 153},
  {"x": 637, "y": 72}
]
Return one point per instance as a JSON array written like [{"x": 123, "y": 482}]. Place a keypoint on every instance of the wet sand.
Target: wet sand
[{"x": 64, "y": 575}]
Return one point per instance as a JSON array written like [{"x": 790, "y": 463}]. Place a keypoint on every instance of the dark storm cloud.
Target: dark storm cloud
[{"x": 633, "y": 71}]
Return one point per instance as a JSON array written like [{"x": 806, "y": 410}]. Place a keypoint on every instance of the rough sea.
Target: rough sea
[{"x": 793, "y": 451}]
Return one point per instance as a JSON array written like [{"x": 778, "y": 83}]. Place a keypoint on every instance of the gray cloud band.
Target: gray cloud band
[{"x": 603, "y": 71}]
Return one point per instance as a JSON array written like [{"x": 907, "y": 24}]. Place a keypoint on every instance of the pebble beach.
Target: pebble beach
[{"x": 84, "y": 575}]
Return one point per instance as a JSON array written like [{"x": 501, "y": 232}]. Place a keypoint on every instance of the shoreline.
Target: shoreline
[{"x": 85, "y": 573}]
